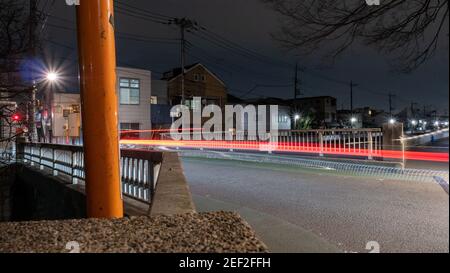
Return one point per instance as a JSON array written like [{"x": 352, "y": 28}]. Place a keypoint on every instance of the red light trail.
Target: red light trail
[{"x": 291, "y": 148}]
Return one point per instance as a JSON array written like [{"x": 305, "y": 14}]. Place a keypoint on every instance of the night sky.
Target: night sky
[{"x": 250, "y": 23}]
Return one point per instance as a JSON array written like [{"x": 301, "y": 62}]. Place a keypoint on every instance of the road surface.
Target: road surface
[
  {"x": 306, "y": 210},
  {"x": 439, "y": 146}
]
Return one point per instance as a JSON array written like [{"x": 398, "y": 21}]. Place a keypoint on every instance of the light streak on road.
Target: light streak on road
[{"x": 289, "y": 148}]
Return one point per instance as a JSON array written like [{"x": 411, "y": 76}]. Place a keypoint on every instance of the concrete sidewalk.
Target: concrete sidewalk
[{"x": 279, "y": 235}]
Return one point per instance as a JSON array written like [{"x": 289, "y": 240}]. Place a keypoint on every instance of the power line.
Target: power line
[
  {"x": 150, "y": 13},
  {"x": 218, "y": 40}
]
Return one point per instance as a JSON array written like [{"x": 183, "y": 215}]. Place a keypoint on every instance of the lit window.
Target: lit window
[
  {"x": 154, "y": 100},
  {"x": 129, "y": 91}
]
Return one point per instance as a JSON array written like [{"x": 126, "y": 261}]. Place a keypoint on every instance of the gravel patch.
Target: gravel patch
[{"x": 222, "y": 232}]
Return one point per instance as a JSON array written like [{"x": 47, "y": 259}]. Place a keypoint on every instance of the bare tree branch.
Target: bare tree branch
[{"x": 407, "y": 31}]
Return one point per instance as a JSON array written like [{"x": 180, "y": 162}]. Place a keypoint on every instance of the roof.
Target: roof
[
  {"x": 312, "y": 98},
  {"x": 269, "y": 101},
  {"x": 176, "y": 72}
]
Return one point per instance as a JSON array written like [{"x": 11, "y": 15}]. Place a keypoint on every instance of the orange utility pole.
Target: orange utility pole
[{"x": 97, "y": 60}]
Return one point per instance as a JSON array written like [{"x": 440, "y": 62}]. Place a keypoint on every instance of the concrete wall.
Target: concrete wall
[
  {"x": 30, "y": 194},
  {"x": 35, "y": 195}
]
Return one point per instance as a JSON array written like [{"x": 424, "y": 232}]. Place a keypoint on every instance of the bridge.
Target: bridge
[{"x": 305, "y": 191}]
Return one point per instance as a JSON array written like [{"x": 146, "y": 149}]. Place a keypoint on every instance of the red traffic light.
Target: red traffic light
[{"x": 16, "y": 117}]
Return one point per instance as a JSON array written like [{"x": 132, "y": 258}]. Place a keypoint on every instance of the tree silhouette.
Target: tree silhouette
[{"x": 408, "y": 31}]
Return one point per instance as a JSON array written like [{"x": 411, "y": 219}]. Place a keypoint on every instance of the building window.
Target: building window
[
  {"x": 154, "y": 100},
  {"x": 283, "y": 119},
  {"x": 203, "y": 78},
  {"x": 129, "y": 91},
  {"x": 193, "y": 104},
  {"x": 196, "y": 77},
  {"x": 132, "y": 127}
]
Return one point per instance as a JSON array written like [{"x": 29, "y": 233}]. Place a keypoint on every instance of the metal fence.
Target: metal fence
[
  {"x": 356, "y": 142},
  {"x": 139, "y": 169}
]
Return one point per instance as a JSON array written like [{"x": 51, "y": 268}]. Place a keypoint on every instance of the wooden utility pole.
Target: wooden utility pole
[
  {"x": 184, "y": 24},
  {"x": 97, "y": 59},
  {"x": 391, "y": 108},
  {"x": 351, "y": 95},
  {"x": 296, "y": 81},
  {"x": 32, "y": 52}
]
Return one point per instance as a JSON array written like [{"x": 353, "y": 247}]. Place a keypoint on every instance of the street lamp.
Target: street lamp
[
  {"x": 392, "y": 121},
  {"x": 52, "y": 76},
  {"x": 353, "y": 120},
  {"x": 414, "y": 122},
  {"x": 297, "y": 117}
]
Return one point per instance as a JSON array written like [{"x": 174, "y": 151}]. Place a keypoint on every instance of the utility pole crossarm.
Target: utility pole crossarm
[{"x": 184, "y": 24}]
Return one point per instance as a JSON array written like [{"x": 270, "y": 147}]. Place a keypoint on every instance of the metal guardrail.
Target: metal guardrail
[
  {"x": 139, "y": 169},
  {"x": 361, "y": 142},
  {"x": 355, "y": 168}
]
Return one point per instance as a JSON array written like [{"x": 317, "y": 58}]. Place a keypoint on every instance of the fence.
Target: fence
[
  {"x": 139, "y": 169},
  {"x": 356, "y": 142}
]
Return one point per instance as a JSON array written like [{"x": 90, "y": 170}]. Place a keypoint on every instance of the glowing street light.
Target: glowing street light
[
  {"x": 52, "y": 76},
  {"x": 392, "y": 121},
  {"x": 353, "y": 120},
  {"x": 414, "y": 122},
  {"x": 436, "y": 123},
  {"x": 297, "y": 117}
]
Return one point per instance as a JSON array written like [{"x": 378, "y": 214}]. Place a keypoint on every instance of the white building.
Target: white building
[
  {"x": 134, "y": 102},
  {"x": 134, "y": 95},
  {"x": 65, "y": 118}
]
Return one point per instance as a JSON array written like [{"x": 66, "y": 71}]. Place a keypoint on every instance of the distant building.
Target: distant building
[
  {"x": 135, "y": 97},
  {"x": 65, "y": 125},
  {"x": 283, "y": 117},
  {"x": 199, "y": 82},
  {"x": 134, "y": 103},
  {"x": 350, "y": 119},
  {"x": 323, "y": 108},
  {"x": 372, "y": 118},
  {"x": 160, "y": 106}
]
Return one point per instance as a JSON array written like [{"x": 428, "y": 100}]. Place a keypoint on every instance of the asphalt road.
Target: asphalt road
[
  {"x": 439, "y": 146},
  {"x": 304, "y": 210}
]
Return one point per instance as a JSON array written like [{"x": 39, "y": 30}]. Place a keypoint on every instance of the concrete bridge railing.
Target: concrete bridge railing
[{"x": 142, "y": 173}]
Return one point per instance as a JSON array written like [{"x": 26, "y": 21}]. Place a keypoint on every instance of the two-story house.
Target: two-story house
[{"x": 199, "y": 82}]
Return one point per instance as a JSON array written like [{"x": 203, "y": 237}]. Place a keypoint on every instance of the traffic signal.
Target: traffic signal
[{"x": 16, "y": 118}]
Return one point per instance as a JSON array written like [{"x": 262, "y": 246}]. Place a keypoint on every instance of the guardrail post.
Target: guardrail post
[
  {"x": 370, "y": 148},
  {"x": 321, "y": 143},
  {"x": 74, "y": 179},
  {"x": 151, "y": 181},
  {"x": 54, "y": 171},
  {"x": 41, "y": 167}
]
